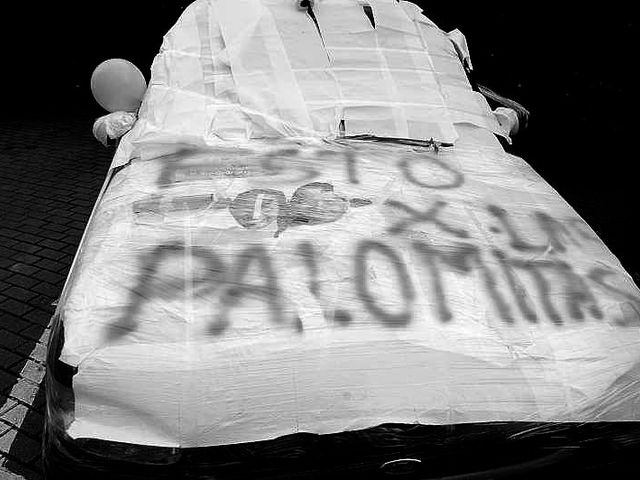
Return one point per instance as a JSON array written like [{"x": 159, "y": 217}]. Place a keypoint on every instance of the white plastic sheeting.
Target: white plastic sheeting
[
  {"x": 232, "y": 295},
  {"x": 259, "y": 287},
  {"x": 246, "y": 69}
]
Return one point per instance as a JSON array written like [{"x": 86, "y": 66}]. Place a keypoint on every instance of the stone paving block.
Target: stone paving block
[
  {"x": 84, "y": 203},
  {"x": 32, "y": 332},
  {"x": 14, "y": 307},
  {"x": 50, "y": 254},
  {"x": 38, "y": 317},
  {"x": 5, "y": 263},
  {"x": 61, "y": 211},
  {"x": 53, "y": 244},
  {"x": 22, "y": 280},
  {"x": 23, "y": 269},
  {"x": 25, "y": 258},
  {"x": 7, "y": 242},
  {"x": 33, "y": 222},
  {"x": 60, "y": 220},
  {"x": 26, "y": 247},
  {"x": 15, "y": 415},
  {"x": 19, "y": 472},
  {"x": 25, "y": 391},
  {"x": 70, "y": 249},
  {"x": 10, "y": 341},
  {"x": 24, "y": 349},
  {"x": 66, "y": 260},
  {"x": 75, "y": 237},
  {"x": 55, "y": 228},
  {"x": 44, "y": 338},
  {"x": 50, "y": 277},
  {"x": 11, "y": 219},
  {"x": 50, "y": 265},
  {"x": 7, "y": 439},
  {"x": 5, "y": 379},
  {"x": 8, "y": 359},
  {"x": 42, "y": 302},
  {"x": 39, "y": 352},
  {"x": 80, "y": 217},
  {"x": 47, "y": 289},
  {"x": 14, "y": 324},
  {"x": 29, "y": 229},
  {"x": 78, "y": 225},
  {"x": 7, "y": 232},
  {"x": 4, "y": 427},
  {"x": 80, "y": 209},
  {"x": 6, "y": 404},
  {"x": 26, "y": 237},
  {"x": 19, "y": 294},
  {"x": 25, "y": 449},
  {"x": 38, "y": 214},
  {"x": 52, "y": 234},
  {"x": 6, "y": 251}
]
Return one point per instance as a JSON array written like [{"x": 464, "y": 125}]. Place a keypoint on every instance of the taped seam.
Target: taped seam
[
  {"x": 296, "y": 119},
  {"x": 206, "y": 53}
]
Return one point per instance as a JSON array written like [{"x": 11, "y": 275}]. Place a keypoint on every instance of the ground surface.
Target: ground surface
[{"x": 51, "y": 171}]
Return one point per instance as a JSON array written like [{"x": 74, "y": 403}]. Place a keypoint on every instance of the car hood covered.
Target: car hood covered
[{"x": 286, "y": 245}]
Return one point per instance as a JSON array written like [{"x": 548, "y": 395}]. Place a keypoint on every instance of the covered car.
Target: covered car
[{"x": 312, "y": 257}]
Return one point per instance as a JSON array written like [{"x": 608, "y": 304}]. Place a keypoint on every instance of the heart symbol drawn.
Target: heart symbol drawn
[
  {"x": 258, "y": 208},
  {"x": 312, "y": 204}
]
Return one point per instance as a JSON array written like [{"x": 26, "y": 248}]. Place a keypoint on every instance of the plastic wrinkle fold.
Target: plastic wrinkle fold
[{"x": 113, "y": 126}]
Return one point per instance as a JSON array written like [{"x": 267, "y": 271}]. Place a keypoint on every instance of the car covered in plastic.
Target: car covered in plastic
[{"x": 313, "y": 258}]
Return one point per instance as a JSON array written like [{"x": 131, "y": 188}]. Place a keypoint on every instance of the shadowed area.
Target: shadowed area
[{"x": 51, "y": 170}]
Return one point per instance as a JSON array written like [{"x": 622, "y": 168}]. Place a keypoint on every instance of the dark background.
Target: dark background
[{"x": 571, "y": 67}]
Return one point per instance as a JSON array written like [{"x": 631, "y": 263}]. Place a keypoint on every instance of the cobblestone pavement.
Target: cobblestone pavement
[{"x": 50, "y": 175}]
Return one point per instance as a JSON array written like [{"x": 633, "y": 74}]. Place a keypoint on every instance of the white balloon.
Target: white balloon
[{"x": 118, "y": 85}]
